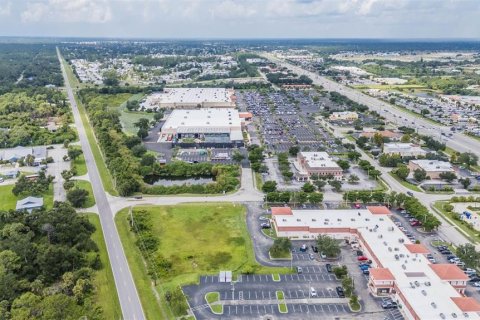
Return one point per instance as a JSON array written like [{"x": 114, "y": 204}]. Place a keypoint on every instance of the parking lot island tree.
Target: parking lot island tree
[{"x": 328, "y": 245}]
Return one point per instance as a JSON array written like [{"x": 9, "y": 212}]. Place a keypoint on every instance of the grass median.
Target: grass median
[
  {"x": 86, "y": 185},
  {"x": 406, "y": 184},
  {"x": 212, "y": 298}
]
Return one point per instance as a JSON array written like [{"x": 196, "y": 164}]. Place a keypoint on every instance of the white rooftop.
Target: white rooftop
[
  {"x": 319, "y": 160},
  {"x": 193, "y": 95},
  {"x": 198, "y": 119},
  {"x": 433, "y": 165},
  {"x": 403, "y": 146},
  {"x": 384, "y": 237}
]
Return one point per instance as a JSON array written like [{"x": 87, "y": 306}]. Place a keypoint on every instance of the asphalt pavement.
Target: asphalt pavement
[{"x": 126, "y": 290}]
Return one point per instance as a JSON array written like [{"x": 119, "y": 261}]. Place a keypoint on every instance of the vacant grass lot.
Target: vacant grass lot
[
  {"x": 129, "y": 118},
  {"x": 82, "y": 184},
  {"x": 406, "y": 184},
  {"x": 9, "y": 201},
  {"x": 197, "y": 239},
  {"x": 80, "y": 165},
  {"x": 106, "y": 293}
]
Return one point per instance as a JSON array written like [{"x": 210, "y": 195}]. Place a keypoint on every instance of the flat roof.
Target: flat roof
[
  {"x": 402, "y": 146},
  {"x": 192, "y": 95},
  {"x": 433, "y": 165},
  {"x": 418, "y": 281},
  {"x": 199, "y": 120},
  {"x": 319, "y": 160}
]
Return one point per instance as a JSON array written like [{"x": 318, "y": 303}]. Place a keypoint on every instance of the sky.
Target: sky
[{"x": 242, "y": 18}]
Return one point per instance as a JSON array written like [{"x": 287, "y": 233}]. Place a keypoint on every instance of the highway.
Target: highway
[
  {"x": 397, "y": 115},
  {"x": 127, "y": 292}
]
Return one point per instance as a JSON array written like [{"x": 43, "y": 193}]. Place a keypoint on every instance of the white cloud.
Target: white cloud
[
  {"x": 5, "y": 8},
  {"x": 231, "y": 9},
  {"x": 92, "y": 11}
]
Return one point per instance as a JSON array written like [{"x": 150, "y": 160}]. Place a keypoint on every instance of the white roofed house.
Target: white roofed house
[{"x": 29, "y": 204}]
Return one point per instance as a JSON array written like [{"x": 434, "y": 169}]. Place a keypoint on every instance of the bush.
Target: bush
[
  {"x": 77, "y": 197},
  {"x": 340, "y": 272}
]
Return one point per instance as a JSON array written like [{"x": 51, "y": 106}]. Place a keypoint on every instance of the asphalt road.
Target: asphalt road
[
  {"x": 458, "y": 141},
  {"x": 127, "y": 292}
]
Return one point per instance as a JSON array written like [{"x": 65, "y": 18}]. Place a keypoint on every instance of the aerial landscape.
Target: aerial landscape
[{"x": 213, "y": 159}]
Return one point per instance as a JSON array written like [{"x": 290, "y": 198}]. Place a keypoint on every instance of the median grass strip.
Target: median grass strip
[
  {"x": 282, "y": 306},
  {"x": 406, "y": 184},
  {"x": 472, "y": 234},
  {"x": 258, "y": 180},
  {"x": 80, "y": 165},
  {"x": 276, "y": 277},
  {"x": 82, "y": 184},
  {"x": 105, "y": 290},
  {"x": 97, "y": 154},
  {"x": 212, "y": 298},
  {"x": 193, "y": 239}
]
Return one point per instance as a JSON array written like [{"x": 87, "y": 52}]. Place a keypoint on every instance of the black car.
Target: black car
[
  {"x": 315, "y": 249},
  {"x": 389, "y": 305},
  {"x": 329, "y": 267},
  {"x": 446, "y": 252},
  {"x": 474, "y": 279},
  {"x": 359, "y": 253},
  {"x": 340, "y": 292}
]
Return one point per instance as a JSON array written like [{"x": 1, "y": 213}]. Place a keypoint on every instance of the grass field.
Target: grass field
[
  {"x": 82, "y": 184},
  {"x": 406, "y": 184},
  {"x": 102, "y": 168},
  {"x": 106, "y": 293},
  {"x": 213, "y": 297},
  {"x": 129, "y": 118},
  {"x": 80, "y": 165},
  {"x": 197, "y": 239},
  {"x": 9, "y": 200},
  {"x": 473, "y": 235}
]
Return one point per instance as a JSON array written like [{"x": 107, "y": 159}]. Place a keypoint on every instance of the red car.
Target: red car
[
  {"x": 362, "y": 258},
  {"x": 415, "y": 223},
  {"x": 357, "y": 206}
]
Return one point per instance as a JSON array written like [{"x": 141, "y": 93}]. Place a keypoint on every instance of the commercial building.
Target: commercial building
[
  {"x": 316, "y": 163},
  {"x": 433, "y": 167},
  {"x": 404, "y": 149},
  {"x": 343, "y": 116},
  {"x": 399, "y": 270},
  {"x": 181, "y": 98},
  {"x": 209, "y": 126}
]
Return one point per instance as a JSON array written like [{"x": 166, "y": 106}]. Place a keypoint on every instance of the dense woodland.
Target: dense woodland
[
  {"x": 24, "y": 113},
  {"x": 47, "y": 262}
]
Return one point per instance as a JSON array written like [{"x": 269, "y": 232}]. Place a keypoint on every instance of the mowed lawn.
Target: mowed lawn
[
  {"x": 82, "y": 184},
  {"x": 9, "y": 201},
  {"x": 197, "y": 239},
  {"x": 129, "y": 118},
  {"x": 105, "y": 291}
]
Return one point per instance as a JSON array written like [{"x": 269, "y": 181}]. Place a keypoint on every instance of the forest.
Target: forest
[
  {"x": 25, "y": 113},
  {"x": 47, "y": 264}
]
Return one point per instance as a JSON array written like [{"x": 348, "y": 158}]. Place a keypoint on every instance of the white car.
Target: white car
[
  {"x": 476, "y": 284},
  {"x": 323, "y": 255},
  {"x": 313, "y": 292}
]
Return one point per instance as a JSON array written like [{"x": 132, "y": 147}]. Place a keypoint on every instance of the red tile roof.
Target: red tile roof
[
  {"x": 417, "y": 248},
  {"x": 448, "y": 272},
  {"x": 378, "y": 210},
  {"x": 381, "y": 274},
  {"x": 467, "y": 304},
  {"x": 245, "y": 115},
  {"x": 281, "y": 211}
]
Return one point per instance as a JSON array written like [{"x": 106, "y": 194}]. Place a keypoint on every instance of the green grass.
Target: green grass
[
  {"x": 212, "y": 297},
  {"x": 9, "y": 200},
  {"x": 275, "y": 277},
  {"x": 198, "y": 239},
  {"x": 406, "y": 184},
  {"x": 128, "y": 118},
  {"x": 80, "y": 165},
  {"x": 472, "y": 234},
  {"x": 82, "y": 184},
  {"x": 258, "y": 180},
  {"x": 271, "y": 233},
  {"x": 389, "y": 86},
  {"x": 282, "y": 306},
  {"x": 102, "y": 168},
  {"x": 105, "y": 291}
]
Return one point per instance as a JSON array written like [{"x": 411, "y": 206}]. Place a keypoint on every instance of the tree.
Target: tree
[
  {"x": 353, "y": 179},
  {"x": 328, "y": 245},
  {"x": 374, "y": 173},
  {"x": 308, "y": 187},
  {"x": 139, "y": 150},
  {"x": 280, "y": 248},
  {"x": 402, "y": 172},
  {"x": 142, "y": 123},
  {"x": 468, "y": 159},
  {"x": 336, "y": 185},
  {"x": 237, "y": 156},
  {"x": 269, "y": 186},
  {"x": 142, "y": 133},
  {"x": 110, "y": 78},
  {"x": 406, "y": 138},
  {"x": 419, "y": 175},
  {"x": 347, "y": 284},
  {"x": 465, "y": 182},
  {"x": 448, "y": 176},
  {"x": 468, "y": 254},
  {"x": 74, "y": 153},
  {"x": 77, "y": 197},
  {"x": 315, "y": 198},
  {"x": 353, "y": 155},
  {"x": 293, "y": 151},
  {"x": 320, "y": 184},
  {"x": 344, "y": 164}
]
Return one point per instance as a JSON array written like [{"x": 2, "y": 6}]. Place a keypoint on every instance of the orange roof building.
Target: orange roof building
[
  {"x": 278, "y": 211},
  {"x": 417, "y": 248},
  {"x": 379, "y": 210},
  {"x": 467, "y": 304},
  {"x": 449, "y": 272},
  {"x": 381, "y": 274}
]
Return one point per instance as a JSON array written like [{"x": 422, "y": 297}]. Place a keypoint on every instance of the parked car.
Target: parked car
[
  {"x": 313, "y": 292},
  {"x": 410, "y": 193},
  {"x": 362, "y": 258},
  {"x": 311, "y": 256},
  {"x": 359, "y": 253},
  {"x": 340, "y": 292},
  {"x": 303, "y": 248},
  {"x": 364, "y": 267},
  {"x": 474, "y": 279},
  {"x": 315, "y": 249},
  {"x": 476, "y": 284},
  {"x": 389, "y": 305},
  {"x": 299, "y": 270},
  {"x": 263, "y": 218},
  {"x": 323, "y": 255},
  {"x": 265, "y": 225},
  {"x": 366, "y": 272},
  {"x": 329, "y": 267}
]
